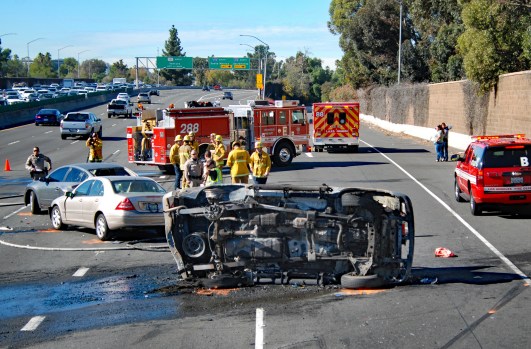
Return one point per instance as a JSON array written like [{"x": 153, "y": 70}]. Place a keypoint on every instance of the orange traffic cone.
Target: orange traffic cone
[{"x": 7, "y": 167}]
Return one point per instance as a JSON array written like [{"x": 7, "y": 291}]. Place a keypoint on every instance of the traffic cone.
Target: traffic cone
[{"x": 7, "y": 167}]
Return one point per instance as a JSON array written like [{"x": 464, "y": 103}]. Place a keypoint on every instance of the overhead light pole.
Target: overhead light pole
[
  {"x": 400, "y": 43},
  {"x": 29, "y": 59},
  {"x": 78, "y": 62},
  {"x": 5, "y": 35},
  {"x": 265, "y": 63},
  {"x": 59, "y": 60},
  {"x": 259, "y": 59}
]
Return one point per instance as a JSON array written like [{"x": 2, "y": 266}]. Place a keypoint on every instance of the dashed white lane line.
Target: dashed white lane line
[
  {"x": 81, "y": 272},
  {"x": 491, "y": 247},
  {"x": 259, "y": 334},
  {"x": 116, "y": 152},
  {"x": 15, "y": 142},
  {"x": 310, "y": 155},
  {"x": 48, "y": 132},
  {"x": 74, "y": 142},
  {"x": 14, "y": 213},
  {"x": 33, "y": 323}
]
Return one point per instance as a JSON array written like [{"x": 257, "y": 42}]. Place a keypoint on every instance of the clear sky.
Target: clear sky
[{"x": 114, "y": 29}]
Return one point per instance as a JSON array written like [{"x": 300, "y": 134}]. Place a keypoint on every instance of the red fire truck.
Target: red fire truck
[
  {"x": 282, "y": 128},
  {"x": 336, "y": 126}
]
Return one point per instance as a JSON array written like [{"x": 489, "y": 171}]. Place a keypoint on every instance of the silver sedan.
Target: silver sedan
[{"x": 109, "y": 203}]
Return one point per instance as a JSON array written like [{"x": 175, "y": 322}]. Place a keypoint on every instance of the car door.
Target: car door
[
  {"x": 74, "y": 204},
  {"x": 49, "y": 188},
  {"x": 92, "y": 202},
  {"x": 96, "y": 122}
]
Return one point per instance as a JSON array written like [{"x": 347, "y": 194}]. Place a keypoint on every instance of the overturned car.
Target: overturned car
[{"x": 237, "y": 235}]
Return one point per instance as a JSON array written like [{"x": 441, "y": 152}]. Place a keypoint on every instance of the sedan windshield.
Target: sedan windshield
[{"x": 136, "y": 186}]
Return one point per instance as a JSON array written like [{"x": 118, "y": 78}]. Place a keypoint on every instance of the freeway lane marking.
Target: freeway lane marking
[
  {"x": 500, "y": 255},
  {"x": 48, "y": 132},
  {"x": 15, "y": 142},
  {"x": 116, "y": 152},
  {"x": 259, "y": 335},
  {"x": 80, "y": 272},
  {"x": 74, "y": 142},
  {"x": 33, "y": 323},
  {"x": 14, "y": 213}
]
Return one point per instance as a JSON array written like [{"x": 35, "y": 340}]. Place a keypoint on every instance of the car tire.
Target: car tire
[
  {"x": 63, "y": 137},
  {"x": 224, "y": 281},
  {"x": 284, "y": 154},
  {"x": 36, "y": 124},
  {"x": 57, "y": 220},
  {"x": 457, "y": 191},
  {"x": 34, "y": 203},
  {"x": 475, "y": 208},
  {"x": 102, "y": 229},
  {"x": 351, "y": 281}
]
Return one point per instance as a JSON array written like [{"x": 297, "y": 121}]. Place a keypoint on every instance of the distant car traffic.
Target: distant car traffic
[
  {"x": 227, "y": 95},
  {"x": 495, "y": 174},
  {"x": 218, "y": 87},
  {"x": 206, "y": 88},
  {"x": 82, "y": 124},
  {"x": 48, "y": 117},
  {"x": 110, "y": 203},
  {"x": 154, "y": 92},
  {"x": 143, "y": 97},
  {"x": 124, "y": 96},
  {"x": 39, "y": 194}
]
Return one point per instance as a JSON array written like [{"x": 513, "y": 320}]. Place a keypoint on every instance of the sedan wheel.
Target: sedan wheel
[
  {"x": 102, "y": 229},
  {"x": 57, "y": 221},
  {"x": 475, "y": 208},
  {"x": 34, "y": 203},
  {"x": 457, "y": 192},
  {"x": 366, "y": 281}
]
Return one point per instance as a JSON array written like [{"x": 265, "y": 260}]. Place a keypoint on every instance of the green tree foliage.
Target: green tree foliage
[
  {"x": 69, "y": 68},
  {"x": 172, "y": 48},
  {"x": 200, "y": 70},
  {"x": 93, "y": 69},
  {"x": 119, "y": 70},
  {"x": 4, "y": 58},
  {"x": 494, "y": 39},
  {"x": 16, "y": 68},
  {"x": 42, "y": 66}
]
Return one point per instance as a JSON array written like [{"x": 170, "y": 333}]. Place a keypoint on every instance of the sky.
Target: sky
[{"x": 112, "y": 30}]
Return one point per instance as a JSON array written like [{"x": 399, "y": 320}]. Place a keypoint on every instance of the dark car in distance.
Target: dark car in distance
[
  {"x": 227, "y": 95},
  {"x": 154, "y": 92},
  {"x": 48, "y": 117}
]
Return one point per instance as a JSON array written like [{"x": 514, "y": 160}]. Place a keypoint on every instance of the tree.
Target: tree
[
  {"x": 119, "y": 70},
  {"x": 16, "y": 68},
  {"x": 42, "y": 66},
  {"x": 69, "y": 68},
  {"x": 172, "y": 48},
  {"x": 494, "y": 40},
  {"x": 297, "y": 79},
  {"x": 94, "y": 69},
  {"x": 4, "y": 58},
  {"x": 200, "y": 70}
]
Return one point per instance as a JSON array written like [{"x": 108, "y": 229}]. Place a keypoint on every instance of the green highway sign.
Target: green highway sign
[
  {"x": 230, "y": 63},
  {"x": 175, "y": 62}
]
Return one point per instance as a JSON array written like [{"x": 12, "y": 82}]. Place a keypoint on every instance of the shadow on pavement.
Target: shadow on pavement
[{"x": 466, "y": 275}]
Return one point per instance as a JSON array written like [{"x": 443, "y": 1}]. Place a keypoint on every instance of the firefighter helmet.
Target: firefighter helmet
[
  {"x": 219, "y": 138},
  {"x": 258, "y": 145},
  {"x": 186, "y": 138},
  {"x": 191, "y": 134},
  {"x": 178, "y": 138},
  {"x": 171, "y": 106}
]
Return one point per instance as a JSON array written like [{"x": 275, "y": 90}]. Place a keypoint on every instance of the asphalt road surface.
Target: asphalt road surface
[{"x": 66, "y": 289}]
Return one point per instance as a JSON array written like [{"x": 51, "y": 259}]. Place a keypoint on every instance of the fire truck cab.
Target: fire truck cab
[
  {"x": 282, "y": 128},
  {"x": 336, "y": 126}
]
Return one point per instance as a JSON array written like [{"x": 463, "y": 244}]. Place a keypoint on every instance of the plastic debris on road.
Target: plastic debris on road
[{"x": 444, "y": 252}]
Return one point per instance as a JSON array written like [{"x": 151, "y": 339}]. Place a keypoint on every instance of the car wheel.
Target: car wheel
[
  {"x": 63, "y": 137},
  {"x": 224, "y": 281},
  {"x": 102, "y": 229},
  {"x": 457, "y": 191},
  {"x": 283, "y": 154},
  {"x": 57, "y": 221},
  {"x": 34, "y": 203},
  {"x": 366, "y": 281},
  {"x": 109, "y": 116},
  {"x": 36, "y": 124},
  {"x": 475, "y": 208}
]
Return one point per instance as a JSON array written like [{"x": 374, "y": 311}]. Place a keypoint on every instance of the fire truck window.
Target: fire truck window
[
  {"x": 330, "y": 118},
  {"x": 263, "y": 119},
  {"x": 342, "y": 118},
  {"x": 298, "y": 117},
  {"x": 240, "y": 123},
  {"x": 282, "y": 117}
]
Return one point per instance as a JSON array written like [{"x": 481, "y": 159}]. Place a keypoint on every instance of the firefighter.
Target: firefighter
[
  {"x": 184, "y": 155},
  {"x": 239, "y": 161},
  {"x": 171, "y": 106},
  {"x": 212, "y": 145},
  {"x": 193, "y": 170},
  {"x": 95, "y": 145},
  {"x": 139, "y": 106},
  {"x": 176, "y": 161},
  {"x": 146, "y": 140},
  {"x": 219, "y": 152},
  {"x": 193, "y": 142},
  {"x": 36, "y": 164},
  {"x": 260, "y": 164}
]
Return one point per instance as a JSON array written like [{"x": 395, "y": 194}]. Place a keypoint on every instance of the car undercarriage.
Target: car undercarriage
[{"x": 237, "y": 235}]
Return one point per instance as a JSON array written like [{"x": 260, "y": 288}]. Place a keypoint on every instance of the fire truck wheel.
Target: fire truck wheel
[{"x": 283, "y": 154}]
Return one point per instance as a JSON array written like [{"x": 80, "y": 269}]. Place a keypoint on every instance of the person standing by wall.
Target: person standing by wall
[
  {"x": 36, "y": 164},
  {"x": 184, "y": 155},
  {"x": 219, "y": 152},
  {"x": 193, "y": 170},
  {"x": 95, "y": 145},
  {"x": 439, "y": 143},
  {"x": 176, "y": 161},
  {"x": 446, "y": 129},
  {"x": 239, "y": 161},
  {"x": 260, "y": 164}
]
